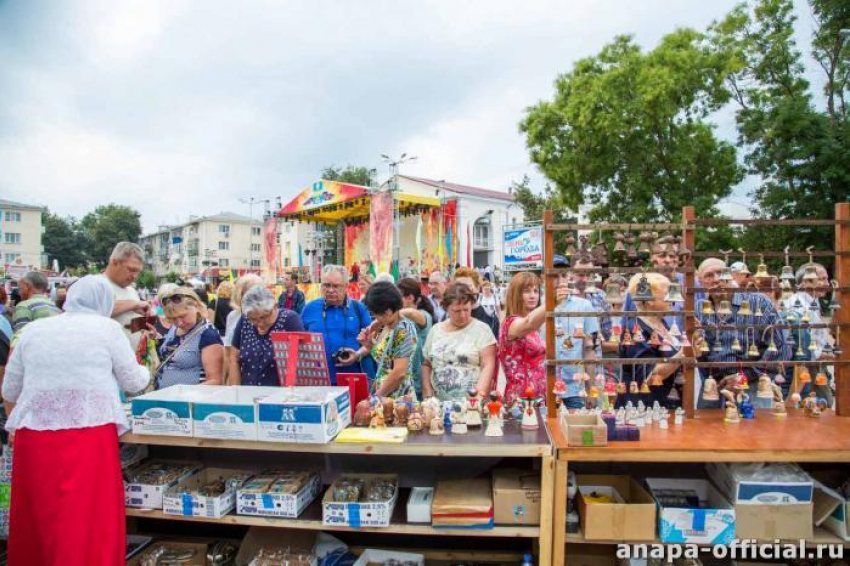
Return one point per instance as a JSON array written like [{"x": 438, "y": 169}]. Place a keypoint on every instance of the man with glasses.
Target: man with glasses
[{"x": 340, "y": 320}]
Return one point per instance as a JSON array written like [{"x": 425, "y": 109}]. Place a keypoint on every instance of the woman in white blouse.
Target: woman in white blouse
[{"x": 62, "y": 383}]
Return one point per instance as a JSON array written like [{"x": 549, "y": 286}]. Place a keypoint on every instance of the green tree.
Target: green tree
[
  {"x": 146, "y": 279},
  {"x": 350, "y": 174},
  {"x": 106, "y": 226},
  {"x": 627, "y": 131},
  {"x": 62, "y": 242}
]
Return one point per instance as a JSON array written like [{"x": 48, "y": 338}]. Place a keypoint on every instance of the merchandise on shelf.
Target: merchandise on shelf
[
  {"x": 365, "y": 500},
  {"x": 229, "y": 413},
  {"x": 145, "y": 484},
  {"x": 516, "y": 497},
  {"x": 615, "y": 508},
  {"x": 303, "y": 414},
  {"x": 172, "y": 552},
  {"x": 371, "y": 557},
  {"x": 274, "y": 493},
  {"x": 419, "y": 505},
  {"x": 209, "y": 493},
  {"x": 466, "y": 503},
  {"x": 692, "y": 511}
]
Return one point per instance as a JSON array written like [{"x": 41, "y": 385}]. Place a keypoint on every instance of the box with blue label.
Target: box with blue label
[
  {"x": 762, "y": 483},
  {"x": 692, "y": 511},
  {"x": 229, "y": 413},
  {"x": 145, "y": 484},
  {"x": 168, "y": 412},
  {"x": 364, "y": 500},
  {"x": 303, "y": 414},
  {"x": 209, "y": 493},
  {"x": 275, "y": 493}
]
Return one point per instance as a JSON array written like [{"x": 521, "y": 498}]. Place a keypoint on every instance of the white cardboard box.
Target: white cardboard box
[
  {"x": 229, "y": 413},
  {"x": 712, "y": 524},
  {"x": 360, "y": 514},
  {"x": 831, "y": 508},
  {"x": 758, "y": 492},
  {"x": 150, "y": 496},
  {"x": 168, "y": 412},
  {"x": 383, "y": 556},
  {"x": 278, "y": 504},
  {"x": 179, "y": 499},
  {"x": 419, "y": 505},
  {"x": 303, "y": 414},
  {"x": 132, "y": 454}
]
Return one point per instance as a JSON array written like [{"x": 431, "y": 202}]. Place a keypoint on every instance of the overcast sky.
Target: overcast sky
[{"x": 179, "y": 108}]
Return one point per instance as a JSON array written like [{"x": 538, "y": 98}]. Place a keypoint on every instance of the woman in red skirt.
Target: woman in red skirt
[{"x": 62, "y": 381}]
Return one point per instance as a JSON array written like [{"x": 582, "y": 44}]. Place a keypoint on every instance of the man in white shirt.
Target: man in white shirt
[
  {"x": 437, "y": 285},
  {"x": 806, "y": 300},
  {"x": 125, "y": 264}
]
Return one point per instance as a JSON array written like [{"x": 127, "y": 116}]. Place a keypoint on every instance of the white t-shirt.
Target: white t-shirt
[
  {"x": 126, "y": 294},
  {"x": 456, "y": 358},
  {"x": 490, "y": 304}
]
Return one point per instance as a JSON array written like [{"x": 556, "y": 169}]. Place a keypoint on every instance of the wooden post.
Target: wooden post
[
  {"x": 690, "y": 372},
  {"x": 548, "y": 261},
  {"x": 842, "y": 275}
]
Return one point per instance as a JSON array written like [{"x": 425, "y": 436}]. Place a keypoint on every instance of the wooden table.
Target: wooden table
[{"x": 795, "y": 438}]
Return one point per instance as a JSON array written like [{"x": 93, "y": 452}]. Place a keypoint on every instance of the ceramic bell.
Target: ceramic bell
[
  {"x": 753, "y": 350},
  {"x": 745, "y": 309},
  {"x": 759, "y": 313},
  {"x": 674, "y": 294},
  {"x": 633, "y": 387},
  {"x": 736, "y": 345},
  {"x": 730, "y": 416},
  {"x": 674, "y": 330},
  {"x": 764, "y": 390},
  {"x": 643, "y": 290},
  {"x": 619, "y": 245},
  {"x": 571, "y": 246},
  {"x": 805, "y": 376},
  {"x": 725, "y": 308},
  {"x": 621, "y": 388},
  {"x": 726, "y": 275},
  {"x": 613, "y": 294},
  {"x": 761, "y": 270},
  {"x": 709, "y": 389},
  {"x": 578, "y": 331},
  {"x": 631, "y": 253},
  {"x": 684, "y": 342},
  {"x": 644, "y": 388},
  {"x": 821, "y": 378},
  {"x": 706, "y": 308},
  {"x": 654, "y": 339},
  {"x": 494, "y": 410},
  {"x": 644, "y": 249}
]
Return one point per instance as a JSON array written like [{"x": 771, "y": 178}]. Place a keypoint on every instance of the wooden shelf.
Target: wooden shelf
[
  {"x": 516, "y": 443},
  {"x": 820, "y": 536},
  {"x": 795, "y": 438}
]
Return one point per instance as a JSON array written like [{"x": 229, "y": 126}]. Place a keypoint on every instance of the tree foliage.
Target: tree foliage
[
  {"x": 627, "y": 132},
  {"x": 62, "y": 242},
  {"x": 106, "y": 226},
  {"x": 350, "y": 174}
]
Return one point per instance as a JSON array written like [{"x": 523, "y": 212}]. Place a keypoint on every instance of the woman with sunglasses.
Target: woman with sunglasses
[
  {"x": 252, "y": 357},
  {"x": 192, "y": 351}
]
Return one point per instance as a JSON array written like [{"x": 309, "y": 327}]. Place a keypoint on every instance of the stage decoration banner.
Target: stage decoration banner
[
  {"x": 270, "y": 245},
  {"x": 352, "y": 235},
  {"x": 449, "y": 226},
  {"x": 323, "y": 193},
  {"x": 381, "y": 231}
]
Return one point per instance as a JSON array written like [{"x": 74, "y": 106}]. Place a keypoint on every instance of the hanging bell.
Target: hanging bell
[
  {"x": 594, "y": 392},
  {"x": 787, "y": 274},
  {"x": 638, "y": 337},
  {"x": 567, "y": 343},
  {"x": 633, "y": 387},
  {"x": 761, "y": 270},
  {"x": 725, "y": 308},
  {"x": 812, "y": 346},
  {"x": 717, "y": 347},
  {"x": 779, "y": 379},
  {"x": 736, "y": 345},
  {"x": 613, "y": 294},
  {"x": 674, "y": 294},
  {"x": 745, "y": 309},
  {"x": 814, "y": 306},
  {"x": 600, "y": 380},
  {"x": 578, "y": 331},
  {"x": 655, "y": 380},
  {"x": 834, "y": 305},
  {"x": 577, "y": 377},
  {"x": 684, "y": 342},
  {"x": 771, "y": 348},
  {"x": 643, "y": 291},
  {"x": 631, "y": 253},
  {"x": 800, "y": 353},
  {"x": 753, "y": 351},
  {"x": 709, "y": 389},
  {"x": 619, "y": 245},
  {"x": 703, "y": 346},
  {"x": 644, "y": 388},
  {"x": 821, "y": 379},
  {"x": 644, "y": 249},
  {"x": 674, "y": 330},
  {"x": 571, "y": 246},
  {"x": 805, "y": 318},
  {"x": 621, "y": 388},
  {"x": 804, "y": 376},
  {"x": 759, "y": 312},
  {"x": 673, "y": 396},
  {"x": 810, "y": 276},
  {"x": 764, "y": 391},
  {"x": 726, "y": 275},
  {"x": 706, "y": 308}
]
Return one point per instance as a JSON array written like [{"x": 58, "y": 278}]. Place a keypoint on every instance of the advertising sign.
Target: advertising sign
[{"x": 523, "y": 248}]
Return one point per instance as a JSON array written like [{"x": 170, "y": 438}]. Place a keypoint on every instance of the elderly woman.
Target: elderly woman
[
  {"x": 63, "y": 379},
  {"x": 252, "y": 357},
  {"x": 364, "y": 283},
  {"x": 390, "y": 340},
  {"x": 656, "y": 342},
  {"x": 460, "y": 352},
  {"x": 191, "y": 350}
]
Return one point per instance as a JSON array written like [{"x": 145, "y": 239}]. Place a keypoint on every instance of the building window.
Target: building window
[
  {"x": 256, "y": 231},
  {"x": 255, "y": 263},
  {"x": 481, "y": 235},
  {"x": 224, "y": 245},
  {"x": 193, "y": 262},
  {"x": 13, "y": 238},
  {"x": 13, "y": 216},
  {"x": 224, "y": 228},
  {"x": 12, "y": 258},
  {"x": 224, "y": 262},
  {"x": 255, "y": 247}
]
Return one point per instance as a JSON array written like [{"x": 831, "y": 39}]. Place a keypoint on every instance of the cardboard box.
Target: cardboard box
[
  {"x": 303, "y": 414},
  {"x": 419, "y": 505},
  {"x": 274, "y": 538},
  {"x": 587, "y": 555},
  {"x": 278, "y": 504},
  {"x": 230, "y": 413},
  {"x": 360, "y": 514},
  {"x": 371, "y": 556},
  {"x": 584, "y": 430},
  {"x": 168, "y": 412},
  {"x": 150, "y": 496},
  {"x": 712, "y": 523},
  {"x": 199, "y": 557},
  {"x": 180, "y": 499},
  {"x": 768, "y": 522},
  {"x": 632, "y": 518},
  {"x": 758, "y": 492},
  {"x": 132, "y": 454},
  {"x": 136, "y": 544},
  {"x": 831, "y": 508},
  {"x": 516, "y": 497}
]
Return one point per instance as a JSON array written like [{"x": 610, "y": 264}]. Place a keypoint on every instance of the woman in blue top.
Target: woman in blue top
[
  {"x": 191, "y": 351},
  {"x": 252, "y": 358}
]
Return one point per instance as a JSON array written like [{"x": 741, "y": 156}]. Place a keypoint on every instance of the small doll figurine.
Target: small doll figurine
[
  {"x": 447, "y": 416},
  {"x": 494, "y": 423},
  {"x": 731, "y": 415},
  {"x": 416, "y": 422},
  {"x": 459, "y": 425},
  {"x": 378, "y": 417},
  {"x": 473, "y": 406},
  {"x": 436, "y": 428},
  {"x": 430, "y": 408},
  {"x": 389, "y": 408},
  {"x": 401, "y": 413},
  {"x": 363, "y": 413},
  {"x": 778, "y": 401},
  {"x": 529, "y": 413},
  {"x": 814, "y": 405}
]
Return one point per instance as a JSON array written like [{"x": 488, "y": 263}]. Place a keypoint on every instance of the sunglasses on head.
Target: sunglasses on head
[{"x": 173, "y": 299}]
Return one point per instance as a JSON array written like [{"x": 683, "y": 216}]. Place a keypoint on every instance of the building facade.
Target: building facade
[
  {"x": 21, "y": 233},
  {"x": 205, "y": 246}
]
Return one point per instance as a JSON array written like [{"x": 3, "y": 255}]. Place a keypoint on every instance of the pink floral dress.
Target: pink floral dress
[{"x": 523, "y": 362}]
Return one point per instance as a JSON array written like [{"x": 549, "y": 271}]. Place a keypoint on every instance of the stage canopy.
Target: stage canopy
[{"x": 331, "y": 202}]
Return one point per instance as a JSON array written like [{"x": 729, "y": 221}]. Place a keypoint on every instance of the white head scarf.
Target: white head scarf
[{"x": 91, "y": 295}]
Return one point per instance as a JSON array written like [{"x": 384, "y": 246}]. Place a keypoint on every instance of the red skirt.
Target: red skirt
[{"x": 67, "y": 504}]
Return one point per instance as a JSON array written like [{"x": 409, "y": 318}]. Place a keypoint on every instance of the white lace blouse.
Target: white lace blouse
[{"x": 65, "y": 372}]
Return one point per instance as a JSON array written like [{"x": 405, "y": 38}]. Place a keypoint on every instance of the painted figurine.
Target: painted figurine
[
  {"x": 494, "y": 409},
  {"x": 389, "y": 408},
  {"x": 436, "y": 428},
  {"x": 529, "y": 413},
  {"x": 778, "y": 401},
  {"x": 473, "y": 408},
  {"x": 378, "y": 418},
  {"x": 416, "y": 422},
  {"x": 731, "y": 415},
  {"x": 363, "y": 413},
  {"x": 459, "y": 424},
  {"x": 401, "y": 413}
]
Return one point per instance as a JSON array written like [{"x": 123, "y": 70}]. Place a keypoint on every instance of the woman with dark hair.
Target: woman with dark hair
[
  {"x": 418, "y": 310},
  {"x": 390, "y": 340}
]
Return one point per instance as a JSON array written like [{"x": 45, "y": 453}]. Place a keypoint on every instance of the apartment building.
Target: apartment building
[
  {"x": 21, "y": 232},
  {"x": 204, "y": 245}
]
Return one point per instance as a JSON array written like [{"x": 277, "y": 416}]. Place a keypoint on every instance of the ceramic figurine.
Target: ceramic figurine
[
  {"x": 764, "y": 390},
  {"x": 494, "y": 409},
  {"x": 389, "y": 409},
  {"x": 662, "y": 421},
  {"x": 378, "y": 418},
  {"x": 473, "y": 406},
  {"x": 430, "y": 410},
  {"x": 679, "y": 416},
  {"x": 709, "y": 389},
  {"x": 459, "y": 425},
  {"x": 401, "y": 413},
  {"x": 363, "y": 413},
  {"x": 529, "y": 413},
  {"x": 621, "y": 416},
  {"x": 746, "y": 408},
  {"x": 436, "y": 428},
  {"x": 778, "y": 401},
  {"x": 516, "y": 410},
  {"x": 814, "y": 405},
  {"x": 731, "y": 415},
  {"x": 447, "y": 416},
  {"x": 416, "y": 422}
]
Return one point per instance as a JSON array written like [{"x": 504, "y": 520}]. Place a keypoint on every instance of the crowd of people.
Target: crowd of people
[{"x": 65, "y": 365}]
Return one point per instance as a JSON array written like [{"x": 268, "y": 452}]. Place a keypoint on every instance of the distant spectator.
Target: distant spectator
[
  {"x": 364, "y": 283},
  {"x": 35, "y": 302},
  {"x": 471, "y": 278},
  {"x": 437, "y": 286},
  {"x": 219, "y": 308},
  {"x": 292, "y": 297}
]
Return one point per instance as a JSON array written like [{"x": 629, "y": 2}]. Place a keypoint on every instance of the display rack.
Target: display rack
[
  {"x": 515, "y": 444},
  {"x": 704, "y": 437}
]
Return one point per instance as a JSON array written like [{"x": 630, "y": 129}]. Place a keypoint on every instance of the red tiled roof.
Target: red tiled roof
[{"x": 462, "y": 189}]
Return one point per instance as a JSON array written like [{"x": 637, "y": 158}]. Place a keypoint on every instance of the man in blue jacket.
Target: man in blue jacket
[
  {"x": 340, "y": 320},
  {"x": 292, "y": 297}
]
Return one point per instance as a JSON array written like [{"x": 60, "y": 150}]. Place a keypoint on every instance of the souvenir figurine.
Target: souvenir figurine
[
  {"x": 416, "y": 422},
  {"x": 473, "y": 406},
  {"x": 709, "y": 389},
  {"x": 529, "y": 414},
  {"x": 401, "y": 413},
  {"x": 363, "y": 413},
  {"x": 494, "y": 409},
  {"x": 731, "y": 415},
  {"x": 430, "y": 410},
  {"x": 436, "y": 428},
  {"x": 377, "y": 417},
  {"x": 447, "y": 416},
  {"x": 778, "y": 401},
  {"x": 764, "y": 390},
  {"x": 389, "y": 409},
  {"x": 662, "y": 421},
  {"x": 459, "y": 425},
  {"x": 814, "y": 405},
  {"x": 746, "y": 408},
  {"x": 516, "y": 410},
  {"x": 679, "y": 416}
]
